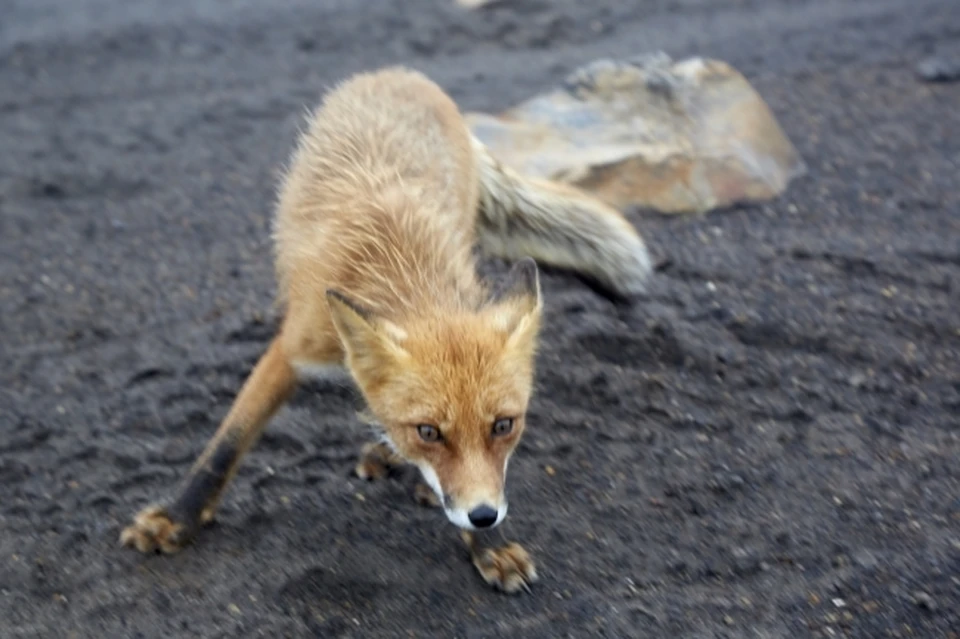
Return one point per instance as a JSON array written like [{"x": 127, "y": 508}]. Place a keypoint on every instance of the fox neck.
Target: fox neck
[{"x": 427, "y": 264}]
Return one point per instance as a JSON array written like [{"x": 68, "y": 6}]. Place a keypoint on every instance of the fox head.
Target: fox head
[{"x": 450, "y": 390}]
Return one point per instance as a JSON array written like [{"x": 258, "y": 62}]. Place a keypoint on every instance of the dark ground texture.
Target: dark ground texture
[{"x": 768, "y": 445}]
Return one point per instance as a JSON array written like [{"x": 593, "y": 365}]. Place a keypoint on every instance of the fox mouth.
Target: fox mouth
[{"x": 483, "y": 517}]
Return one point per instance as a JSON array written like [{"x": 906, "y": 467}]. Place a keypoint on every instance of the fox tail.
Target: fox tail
[{"x": 558, "y": 225}]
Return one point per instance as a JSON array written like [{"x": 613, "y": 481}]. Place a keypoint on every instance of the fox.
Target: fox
[{"x": 384, "y": 207}]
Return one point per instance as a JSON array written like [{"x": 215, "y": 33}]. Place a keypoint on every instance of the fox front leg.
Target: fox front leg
[
  {"x": 508, "y": 567},
  {"x": 168, "y": 528}
]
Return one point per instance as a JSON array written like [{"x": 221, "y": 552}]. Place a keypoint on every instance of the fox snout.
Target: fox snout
[
  {"x": 483, "y": 515},
  {"x": 478, "y": 517},
  {"x": 470, "y": 514}
]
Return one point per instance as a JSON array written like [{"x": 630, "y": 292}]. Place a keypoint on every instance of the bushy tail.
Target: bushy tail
[{"x": 559, "y": 225}]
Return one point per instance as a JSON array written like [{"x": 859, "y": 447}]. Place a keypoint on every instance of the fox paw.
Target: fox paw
[
  {"x": 153, "y": 529},
  {"x": 508, "y": 567},
  {"x": 376, "y": 461}
]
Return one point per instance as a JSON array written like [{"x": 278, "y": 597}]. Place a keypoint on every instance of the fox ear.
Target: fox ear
[
  {"x": 516, "y": 300},
  {"x": 370, "y": 342},
  {"x": 523, "y": 280}
]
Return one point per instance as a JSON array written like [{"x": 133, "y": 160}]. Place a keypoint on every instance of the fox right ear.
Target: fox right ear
[
  {"x": 522, "y": 281},
  {"x": 516, "y": 301}
]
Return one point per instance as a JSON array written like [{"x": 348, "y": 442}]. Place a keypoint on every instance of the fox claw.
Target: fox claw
[
  {"x": 371, "y": 470},
  {"x": 153, "y": 529},
  {"x": 376, "y": 461},
  {"x": 425, "y": 496},
  {"x": 508, "y": 567}
]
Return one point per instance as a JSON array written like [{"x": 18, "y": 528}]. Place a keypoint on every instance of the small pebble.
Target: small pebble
[
  {"x": 925, "y": 601},
  {"x": 940, "y": 69},
  {"x": 746, "y": 562},
  {"x": 866, "y": 559}
]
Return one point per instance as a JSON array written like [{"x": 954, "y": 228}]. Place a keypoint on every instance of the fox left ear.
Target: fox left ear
[
  {"x": 369, "y": 341},
  {"x": 517, "y": 301}
]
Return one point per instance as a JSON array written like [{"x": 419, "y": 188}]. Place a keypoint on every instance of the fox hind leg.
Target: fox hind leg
[
  {"x": 377, "y": 461},
  {"x": 425, "y": 496}
]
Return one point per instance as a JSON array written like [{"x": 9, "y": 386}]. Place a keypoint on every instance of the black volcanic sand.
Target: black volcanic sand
[{"x": 767, "y": 445}]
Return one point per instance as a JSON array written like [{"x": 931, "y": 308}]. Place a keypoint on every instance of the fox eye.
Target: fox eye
[
  {"x": 502, "y": 427},
  {"x": 428, "y": 433}
]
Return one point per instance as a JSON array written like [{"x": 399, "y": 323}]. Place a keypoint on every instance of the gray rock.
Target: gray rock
[
  {"x": 925, "y": 601},
  {"x": 940, "y": 68},
  {"x": 684, "y": 136},
  {"x": 866, "y": 559}
]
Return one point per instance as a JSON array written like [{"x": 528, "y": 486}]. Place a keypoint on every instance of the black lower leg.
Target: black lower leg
[{"x": 204, "y": 483}]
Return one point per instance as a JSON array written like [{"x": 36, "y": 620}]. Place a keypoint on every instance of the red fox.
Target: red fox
[{"x": 384, "y": 198}]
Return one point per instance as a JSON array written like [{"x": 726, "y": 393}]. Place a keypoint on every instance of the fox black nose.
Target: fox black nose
[{"x": 483, "y": 516}]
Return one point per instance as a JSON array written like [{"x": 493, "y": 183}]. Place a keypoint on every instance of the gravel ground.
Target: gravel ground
[{"x": 766, "y": 446}]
